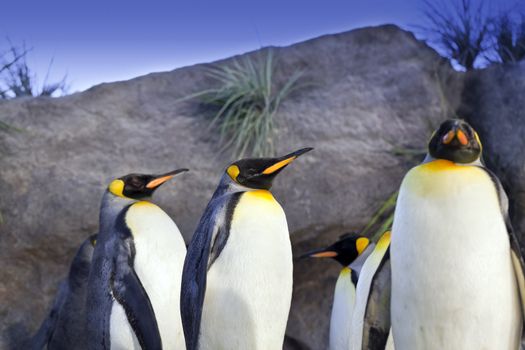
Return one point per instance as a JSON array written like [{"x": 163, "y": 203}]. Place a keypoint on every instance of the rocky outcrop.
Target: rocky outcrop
[
  {"x": 374, "y": 90},
  {"x": 494, "y": 103}
]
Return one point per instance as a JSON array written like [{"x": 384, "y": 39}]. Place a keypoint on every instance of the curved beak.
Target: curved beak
[
  {"x": 283, "y": 161},
  {"x": 160, "y": 179}
]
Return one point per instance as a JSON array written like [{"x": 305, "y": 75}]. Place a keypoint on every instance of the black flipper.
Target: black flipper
[
  {"x": 207, "y": 242},
  {"x": 129, "y": 292},
  {"x": 44, "y": 334},
  {"x": 63, "y": 328},
  {"x": 376, "y": 327}
]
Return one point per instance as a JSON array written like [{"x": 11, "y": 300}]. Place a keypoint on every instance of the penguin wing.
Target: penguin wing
[
  {"x": 516, "y": 252},
  {"x": 129, "y": 292},
  {"x": 376, "y": 325},
  {"x": 44, "y": 334},
  {"x": 207, "y": 242},
  {"x": 77, "y": 278}
]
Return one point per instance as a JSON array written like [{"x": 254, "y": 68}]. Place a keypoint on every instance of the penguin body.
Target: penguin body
[
  {"x": 64, "y": 327},
  {"x": 352, "y": 252},
  {"x": 370, "y": 323},
  {"x": 134, "y": 284},
  {"x": 452, "y": 252},
  {"x": 237, "y": 278},
  {"x": 342, "y": 310},
  {"x": 249, "y": 285}
]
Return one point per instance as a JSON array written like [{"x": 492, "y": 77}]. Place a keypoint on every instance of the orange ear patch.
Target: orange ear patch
[
  {"x": 462, "y": 137},
  {"x": 361, "y": 244},
  {"x": 448, "y": 137}
]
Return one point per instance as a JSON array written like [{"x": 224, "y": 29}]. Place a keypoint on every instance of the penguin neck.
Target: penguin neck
[
  {"x": 111, "y": 206},
  {"x": 228, "y": 186},
  {"x": 477, "y": 162},
  {"x": 358, "y": 263}
]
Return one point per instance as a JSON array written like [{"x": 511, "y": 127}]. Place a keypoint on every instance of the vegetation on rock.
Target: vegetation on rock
[
  {"x": 469, "y": 35},
  {"x": 17, "y": 79},
  {"x": 248, "y": 98}
]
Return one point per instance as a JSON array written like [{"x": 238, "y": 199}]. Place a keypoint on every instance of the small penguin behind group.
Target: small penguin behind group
[
  {"x": 457, "y": 270},
  {"x": 133, "y": 290},
  {"x": 360, "y": 309},
  {"x": 237, "y": 279},
  {"x": 64, "y": 327},
  {"x": 345, "y": 251}
]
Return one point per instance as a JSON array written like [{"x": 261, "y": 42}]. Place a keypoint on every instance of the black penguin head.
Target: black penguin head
[
  {"x": 455, "y": 140},
  {"x": 139, "y": 186},
  {"x": 344, "y": 251},
  {"x": 258, "y": 173}
]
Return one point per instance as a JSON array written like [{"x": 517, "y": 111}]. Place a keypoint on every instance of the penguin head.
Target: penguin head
[
  {"x": 139, "y": 186},
  {"x": 344, "y": 251},
  {"x": 455, "y": 140},
  {"x": 258, "y": 173}
]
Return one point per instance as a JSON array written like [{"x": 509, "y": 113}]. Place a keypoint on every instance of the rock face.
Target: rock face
[
  {"x": 495, "y": 106},
  {"x": 374, "y": 90}
]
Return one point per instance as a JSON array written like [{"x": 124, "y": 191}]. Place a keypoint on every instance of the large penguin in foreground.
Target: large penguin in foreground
[
  {"x": 237, "y": 279},
  {"x": 134, "y": 284},
  {"x": 64, "y": 327},
  {"x": 457, "y": 270},
  {"x": 345, "y": 251}
]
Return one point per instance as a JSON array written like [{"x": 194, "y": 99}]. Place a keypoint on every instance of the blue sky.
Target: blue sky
[{"x": 101, "y": 41}]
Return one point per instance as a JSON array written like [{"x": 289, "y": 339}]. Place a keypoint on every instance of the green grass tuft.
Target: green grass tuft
[
  {"x": 382, "y": 219},
  {"x": 248, "y": 98}
]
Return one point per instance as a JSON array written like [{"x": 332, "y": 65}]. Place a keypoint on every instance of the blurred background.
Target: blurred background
[{"x": 91, "y": 91}]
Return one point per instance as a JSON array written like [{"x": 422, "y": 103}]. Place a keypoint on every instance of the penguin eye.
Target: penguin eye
[{"x": 136, "y": 183}]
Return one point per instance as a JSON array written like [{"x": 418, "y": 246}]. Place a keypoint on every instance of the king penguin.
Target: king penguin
[
  {"x": 134, "y": 284},
  {"x": 237, "y": 278},
  {"x": 370, "y": 325},
  {"x": 345, "y": 251},
  {"x": 64, "y": 327},
  {"x": 361, "y": 309},
  {"x": 457, "y": 270}
]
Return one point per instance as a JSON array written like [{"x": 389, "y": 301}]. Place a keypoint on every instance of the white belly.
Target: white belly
[
  {"x": 122, "y": 335},
  {"x": 160, "y": 253},
  {"x": 453, "y": 285},
  {"x": 249, "y": 286},
  {"x": 342, "y": 310}
]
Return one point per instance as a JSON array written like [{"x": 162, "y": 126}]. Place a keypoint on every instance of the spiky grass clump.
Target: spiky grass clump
[
  {"x": 248, "y": 98},
  {"x": 382, "y": 219}
]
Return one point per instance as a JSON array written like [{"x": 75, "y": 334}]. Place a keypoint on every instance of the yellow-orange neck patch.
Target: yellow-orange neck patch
[
  {"x": 384, "y": 241},
  {"x": 345, "y": 271},
  {"x": 440, "y": 164}
]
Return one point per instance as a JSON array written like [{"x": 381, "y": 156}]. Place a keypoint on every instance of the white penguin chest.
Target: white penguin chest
[
  {"x": 342, "y": 311},
  {"x": 452, "y": 273},
  {"x": 159, "y": 258},
  {"x": 249, "y": 286}
]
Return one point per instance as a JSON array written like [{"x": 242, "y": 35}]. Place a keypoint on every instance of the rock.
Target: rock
[
  {"x": 374, "y": 90},
  {"x": 493, "y": 103}
]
